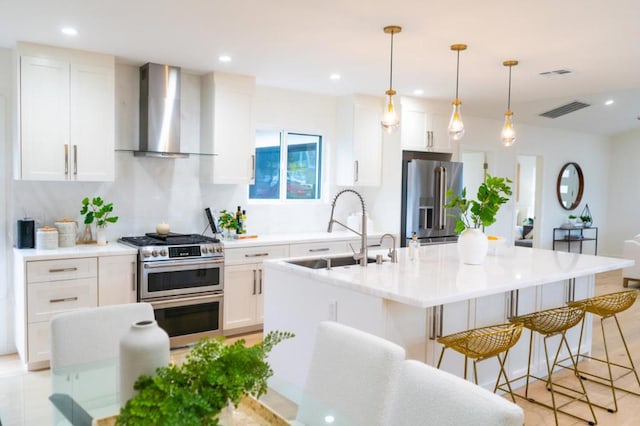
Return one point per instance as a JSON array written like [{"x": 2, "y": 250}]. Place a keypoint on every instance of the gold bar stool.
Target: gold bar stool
[
  {"x": 607, "y": 306},
  {"x": 484, "y": 343},
  {"x": 548, "y": 323}
]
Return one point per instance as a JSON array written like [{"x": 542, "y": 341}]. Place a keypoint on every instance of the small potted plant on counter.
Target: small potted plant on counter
[
  {"x": 229, "y": 222},
  {"x": 95, "y": 209},
  {"x": 492, "y": 193}
]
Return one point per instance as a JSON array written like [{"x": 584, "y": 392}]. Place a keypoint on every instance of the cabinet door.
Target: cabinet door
[
  {"x": 92, "y": 126},
  {"x": 240, "y": 296},
  {"x": 414, "y": 126},
  {"x": 44, "y": 119},
  {"x": 117, "y": 280},
  {"x": 367, "y": 146},
  {"x": 234, "y": 137}
]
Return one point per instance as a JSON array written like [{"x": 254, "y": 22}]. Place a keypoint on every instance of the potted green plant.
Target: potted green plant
[
  {"x": 586, "y": 220},
  {"x": 213, "y": 376},
  {"x": 477, "y": 213},
  {"x": 229, "y": 222},
  {"x": 95, "y": 209},
  {"x": 572, "y": 219}
]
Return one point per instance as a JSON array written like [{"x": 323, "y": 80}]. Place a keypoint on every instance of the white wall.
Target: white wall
[
  {"x": 6, "y": 289},
  {"x": 623, "y": 195}
]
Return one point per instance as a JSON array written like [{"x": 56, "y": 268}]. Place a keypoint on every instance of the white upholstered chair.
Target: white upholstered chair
[
  {"x": 631, "y": 250},
  {"x": 349, "y": 378},
  {"x": 93, "y": 334},
  {"x": 424, "y": 395}
]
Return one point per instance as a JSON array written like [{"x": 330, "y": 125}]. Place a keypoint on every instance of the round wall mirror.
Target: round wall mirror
[{"x": 570, "y": 186}]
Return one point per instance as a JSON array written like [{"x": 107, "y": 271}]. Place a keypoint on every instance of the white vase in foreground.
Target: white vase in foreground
[
  {"x": 472, "y": 246},
  {"x": 143, "y": 349}
]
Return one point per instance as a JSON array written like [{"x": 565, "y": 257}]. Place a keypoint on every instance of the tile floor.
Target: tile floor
[{"x": 18, "y": 386}]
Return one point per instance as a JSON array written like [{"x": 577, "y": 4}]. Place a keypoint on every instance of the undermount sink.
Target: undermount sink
[{"x": 321, "y": 262}]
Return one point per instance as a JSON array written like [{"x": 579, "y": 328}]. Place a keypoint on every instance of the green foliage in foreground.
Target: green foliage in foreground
[{"x": 212, "y": 375}]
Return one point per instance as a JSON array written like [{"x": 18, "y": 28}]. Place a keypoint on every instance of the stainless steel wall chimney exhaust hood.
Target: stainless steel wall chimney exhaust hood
[{"x": 160, "y": 111}]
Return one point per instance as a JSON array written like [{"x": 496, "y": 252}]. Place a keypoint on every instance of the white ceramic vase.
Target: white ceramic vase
[
  {"x": 101, "y": 237},
  {"x": 143, "y": 349},
  {"x": 472, "y": 246}
]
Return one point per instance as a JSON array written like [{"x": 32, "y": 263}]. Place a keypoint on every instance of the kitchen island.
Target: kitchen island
[{"x": 413, "y": 302}]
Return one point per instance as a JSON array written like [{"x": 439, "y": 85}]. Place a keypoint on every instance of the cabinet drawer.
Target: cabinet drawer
[
  {"x": 61, "y": 269},
  {"x": 322, "y": 248},
  {"x": 254, "y": 254},
  {"x": 48, "y": 299},
  {"x": 39, "y": 342}
]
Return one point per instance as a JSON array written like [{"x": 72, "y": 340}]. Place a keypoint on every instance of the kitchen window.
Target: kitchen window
[{"x": 288, "y": 166}]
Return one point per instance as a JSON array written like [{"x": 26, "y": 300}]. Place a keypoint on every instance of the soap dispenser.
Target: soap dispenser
[{"x": 414, "y": 247}]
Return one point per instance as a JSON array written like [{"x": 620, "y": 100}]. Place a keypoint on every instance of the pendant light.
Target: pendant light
[
  {"x": 456, "y": 126},
  {"x": 390, "y": 119},
  {"x": 508, "y": 135}
]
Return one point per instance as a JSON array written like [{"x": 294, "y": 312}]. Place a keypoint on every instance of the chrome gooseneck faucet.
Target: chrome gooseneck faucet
[
  {"x": 362, "y": 256},
  {"x": 393, "y": 253}
]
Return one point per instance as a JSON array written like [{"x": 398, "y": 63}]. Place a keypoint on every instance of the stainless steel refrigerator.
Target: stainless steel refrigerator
[{"x": 424, "y": 185}]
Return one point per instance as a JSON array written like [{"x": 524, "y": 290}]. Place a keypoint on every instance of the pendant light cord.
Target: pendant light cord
[
  {"x": 391, "y": 64},
  {"x": 457, "y": 73},
  {"x": 509, "y": 96}
]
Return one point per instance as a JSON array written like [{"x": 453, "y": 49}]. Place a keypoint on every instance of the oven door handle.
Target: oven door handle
[
  {"x": 169, "y": 264},
  {"x": 182, "y": 300}
]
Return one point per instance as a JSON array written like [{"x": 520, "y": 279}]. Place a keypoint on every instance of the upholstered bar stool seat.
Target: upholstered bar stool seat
[
  {"x": 549, "y": 323},
  {"x": 607, "y": 306},
  {"x": 483, "y": 343}
]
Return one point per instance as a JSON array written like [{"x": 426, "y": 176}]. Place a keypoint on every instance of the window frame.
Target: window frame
[{"x": 322, "y": 159}]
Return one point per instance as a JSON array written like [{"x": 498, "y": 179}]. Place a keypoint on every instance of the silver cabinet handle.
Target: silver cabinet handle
[
  {"x": 441, "y": 321},
  {"x": 254, "y": 282},
  {"x": 75, "y": 160},
  {"x": 66, "y": 159},
  {"x": 432, "y": 331},
  {"x": 64, "y": 299},
  {"x": 260, "y": 282},
  {"x": 355, "y": 171},
  {"x": 63, "y": 270},
  {"x": 315, "y": 250},
  {"x": 133, "y": 276},
  {"x": 256, "y": 255}
]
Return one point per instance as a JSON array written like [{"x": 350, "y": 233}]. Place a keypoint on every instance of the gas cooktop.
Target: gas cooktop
[{"x": 170, "y": 239}]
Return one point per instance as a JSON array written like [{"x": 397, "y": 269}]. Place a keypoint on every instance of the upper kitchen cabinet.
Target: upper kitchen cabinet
[
  {"x": 421, "y": 130},
  {"x": 227, "y": 128},
  {"x": 359, "y": 141},
  {"x": 66, "y": 114}
]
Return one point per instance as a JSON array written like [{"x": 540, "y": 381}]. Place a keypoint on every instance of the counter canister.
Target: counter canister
[
  {"x": 67, "y": 232},
  {"x": 47, "y": 238}
]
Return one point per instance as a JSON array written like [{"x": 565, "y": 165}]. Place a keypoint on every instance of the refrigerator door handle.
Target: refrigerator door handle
[{"x": 441, "y": 174}]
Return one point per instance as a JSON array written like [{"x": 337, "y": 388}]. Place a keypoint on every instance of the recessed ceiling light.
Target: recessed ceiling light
[
  {"x": 69, "y": 31},
  {"x": 335, "y": 76},
  {"x": 224, "y": 58},
  {"x": 418, "y": 92},
  {"x": 609, "y": 102}
]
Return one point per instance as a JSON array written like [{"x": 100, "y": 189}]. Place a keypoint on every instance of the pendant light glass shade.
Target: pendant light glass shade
[
  {"x": 390, "y": 118},
  {"x": 508, "y": 134},
  {"x": 456, "y": 126}
]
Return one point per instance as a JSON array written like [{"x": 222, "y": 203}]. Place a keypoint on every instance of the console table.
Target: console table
[{"x": 575, "y": 236}]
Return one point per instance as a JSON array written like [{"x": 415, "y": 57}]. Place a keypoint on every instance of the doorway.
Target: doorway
[{"x": 526, "y": 200}]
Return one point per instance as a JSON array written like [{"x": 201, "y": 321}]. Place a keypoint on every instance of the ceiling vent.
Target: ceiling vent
[
  {"x": 564, "y": 109},
  {"x": 555, "y": 72}
]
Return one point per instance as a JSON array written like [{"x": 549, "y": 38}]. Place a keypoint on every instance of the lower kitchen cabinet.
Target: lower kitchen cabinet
[
  {"x": 46, "y": 287},
  {"x": 242, "y": 298},
  {"x": 117, "y": 276}
]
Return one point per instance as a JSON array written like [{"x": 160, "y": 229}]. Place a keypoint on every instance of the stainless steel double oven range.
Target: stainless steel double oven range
[{"x": 182, "y": 276}]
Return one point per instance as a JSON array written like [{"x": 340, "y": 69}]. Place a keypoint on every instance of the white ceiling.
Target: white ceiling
[{"x": 297, "y": 44}]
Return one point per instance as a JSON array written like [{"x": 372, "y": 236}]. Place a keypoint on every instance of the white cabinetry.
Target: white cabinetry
[
  {"x": 117, "y": 276},
  {"x": 421, "y": 130},
  {"x": 227, "y": 128},
  {"x": 243, "y": 286},
  {"x": 66, "y": 106},
  {"x": 359, "y": 137},
  {"x": 319, "y": 249},
  {"x": 46, "y": 288}
]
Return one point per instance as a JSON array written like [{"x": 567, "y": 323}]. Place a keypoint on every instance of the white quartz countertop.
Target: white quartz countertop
[
  {"x": 304, "y": 237},
  {"x": 438, "y": 277},
  {"x": 80, "y": 250}
]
